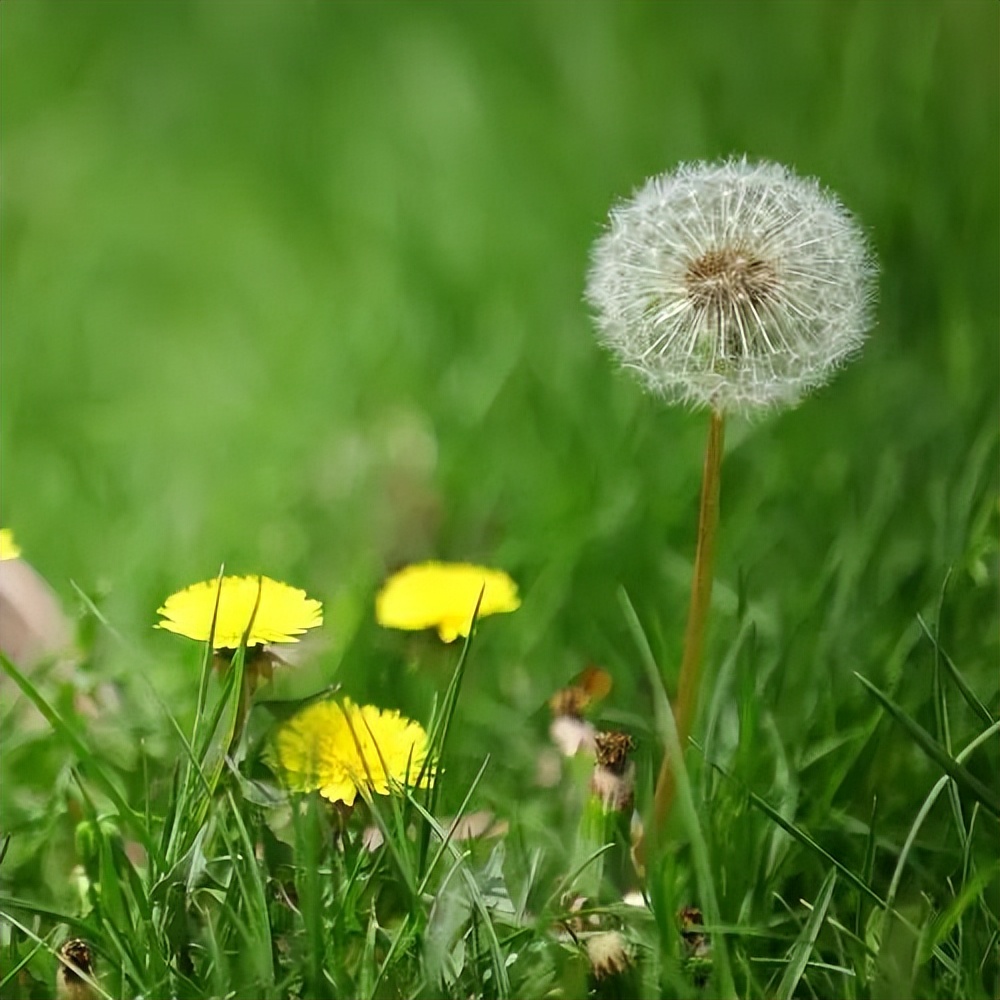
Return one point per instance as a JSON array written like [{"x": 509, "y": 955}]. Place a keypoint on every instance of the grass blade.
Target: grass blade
[
  {"x": 925, "y": 809},
  {"x": 946, "y": 920},
  {"x": 87, "y": 760},
  {"x": 803, "y": 838},
  {"x": 667, "y": 731},
  {"x": 438, "y": 735},
  {"x": 476, "y": 901},
  {"x": 868, "y": 868},
  {"x": 804, "y": 943},
  {"x": 937, "y": 753},
  {"x": 970, "y": 696}
]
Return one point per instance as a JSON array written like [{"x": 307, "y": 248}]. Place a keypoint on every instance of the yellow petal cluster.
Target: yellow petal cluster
[
  {"x": 9, "y": 549},
  {"x": 443, "y": 596},
  {"x": 283, "y": 613},
  {"x": 339, "y": 749}
]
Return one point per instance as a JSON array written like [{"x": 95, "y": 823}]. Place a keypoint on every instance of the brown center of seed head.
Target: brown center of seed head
[
  {"x": 78, "y": 953},
  {"x": 613, "y": 750},
  {"x": 730, "y": 278}
]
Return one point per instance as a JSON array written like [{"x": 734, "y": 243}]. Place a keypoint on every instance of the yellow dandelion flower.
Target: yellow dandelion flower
[
  {"x": 283, "y": 612},
  {"x": 391, "y": 748},
  {"x": 443, "y": 596},
  {"x": 339, "y": 748},
  {"x": 9, "y": 549}
]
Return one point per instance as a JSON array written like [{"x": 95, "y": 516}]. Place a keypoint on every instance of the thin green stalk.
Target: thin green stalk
[{"x": 686, "y": 704}]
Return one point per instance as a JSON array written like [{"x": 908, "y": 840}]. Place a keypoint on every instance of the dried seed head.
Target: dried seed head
[
  {"x": 571, "y": 701},
  {"x": 696, "y": 946},
  {"x": 578, "y": 921},
  {"x": 732, "y": 285},
  {"x": 589, "y": 686},
  {"x": 612, "y": 781},
  {"x": 613, "y": 749},
  {"x": 692, "y": 922},
  {"x": 572, "y": 735},
  {"x": 76, "y": 958},
  {"x": 615, "y": 792},
  {"x": 610, "y": 954}
]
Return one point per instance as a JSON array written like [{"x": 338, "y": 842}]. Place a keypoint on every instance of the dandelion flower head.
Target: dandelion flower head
[
  {"x": 340, "y": 749},
  {"x": 443, "y": 596},
  {"x": 283, "y": 613},
  {"x": 733, "y": 285},
  {"x": 9, "y": 549}
]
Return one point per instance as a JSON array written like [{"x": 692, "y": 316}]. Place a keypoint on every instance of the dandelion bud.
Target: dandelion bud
[
  {"x": 88, "y": 836},
  {"x": 85, "y": 840},
  {"x": 732, "y": 285}
]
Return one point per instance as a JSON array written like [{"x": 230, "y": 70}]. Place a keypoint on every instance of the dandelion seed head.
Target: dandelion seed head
[
  {"x": 733, "y": 285},
  {"x": 610, "y": 953}
]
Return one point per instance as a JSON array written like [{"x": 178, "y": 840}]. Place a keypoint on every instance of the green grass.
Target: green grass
[{"x": 297, "y": 287}]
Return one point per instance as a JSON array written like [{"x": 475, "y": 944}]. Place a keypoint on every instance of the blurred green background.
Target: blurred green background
[{"x": 298, "y": 287}]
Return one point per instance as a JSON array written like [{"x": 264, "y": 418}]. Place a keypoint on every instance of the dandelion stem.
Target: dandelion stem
[{"x": 686, "y": 704}]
